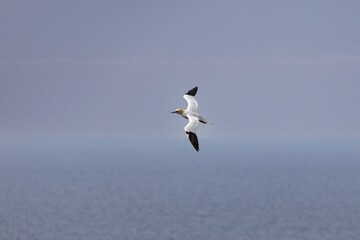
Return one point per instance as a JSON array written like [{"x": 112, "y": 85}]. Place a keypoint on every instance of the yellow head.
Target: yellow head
[{"x": 179, "y": 111}]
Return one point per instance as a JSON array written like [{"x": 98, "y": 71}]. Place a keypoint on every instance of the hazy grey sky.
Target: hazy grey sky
[{"x": 118, "y": 68}]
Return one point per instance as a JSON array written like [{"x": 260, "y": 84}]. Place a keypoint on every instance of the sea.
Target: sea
[{"x": 162, "y": 189}]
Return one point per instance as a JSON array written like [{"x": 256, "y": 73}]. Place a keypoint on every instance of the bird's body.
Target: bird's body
[
  {"x": 192, "y": 114},
  {"x": 185, "y": 113}
]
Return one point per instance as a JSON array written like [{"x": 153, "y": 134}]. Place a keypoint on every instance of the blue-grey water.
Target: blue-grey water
[{"x": 163, "y": 189}]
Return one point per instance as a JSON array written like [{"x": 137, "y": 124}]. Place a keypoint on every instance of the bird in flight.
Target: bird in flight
[{"x": 192, "y": 114}]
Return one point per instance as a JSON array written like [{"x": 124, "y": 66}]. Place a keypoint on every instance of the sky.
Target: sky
[{"x": 265, "y": 69}]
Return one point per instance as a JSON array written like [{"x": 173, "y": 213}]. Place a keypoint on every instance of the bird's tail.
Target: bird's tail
[{"x": 204, "y": 121}]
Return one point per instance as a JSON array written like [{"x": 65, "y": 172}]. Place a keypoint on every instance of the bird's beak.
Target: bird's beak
[{"x": 174, "y": 112}]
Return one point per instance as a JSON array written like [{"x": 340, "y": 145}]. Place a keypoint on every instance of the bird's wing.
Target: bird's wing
[
  {"x": 190, "y": 130},
  {"x": 192, "y": 92},
  {"x": 193, "y": 123},
  {"x": 192, "y": 103},
  {"x": 194, "y": 140},
  {"x": 189, "y": 97}
]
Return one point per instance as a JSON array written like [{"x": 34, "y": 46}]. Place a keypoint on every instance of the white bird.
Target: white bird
[{"x": 191, "y": 113}]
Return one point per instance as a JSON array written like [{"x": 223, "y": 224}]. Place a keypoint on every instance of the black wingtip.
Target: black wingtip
[
  {"x": 194, "y": 140},
  {"x": 192, "y": 92}
]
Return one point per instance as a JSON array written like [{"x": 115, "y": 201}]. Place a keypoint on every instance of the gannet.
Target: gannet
[{"x": 192, "y": 114}]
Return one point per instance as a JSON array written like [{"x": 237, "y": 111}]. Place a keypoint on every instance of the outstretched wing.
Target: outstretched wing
[
  {"x": 192, "y": 92},
  {"x": 193, "y": 124},
  {"x": 190, "y": 130},
  {"x": 194, "y": 140},
  {"x": 189, "y": 97},
  {"x": 192, "y": 103}
]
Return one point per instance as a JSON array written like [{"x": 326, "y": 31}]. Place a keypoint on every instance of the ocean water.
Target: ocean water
[{"x": 163, "y": 189}]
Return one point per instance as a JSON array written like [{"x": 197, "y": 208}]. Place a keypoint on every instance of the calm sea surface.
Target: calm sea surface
[{"x": 163, "y": 189}]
